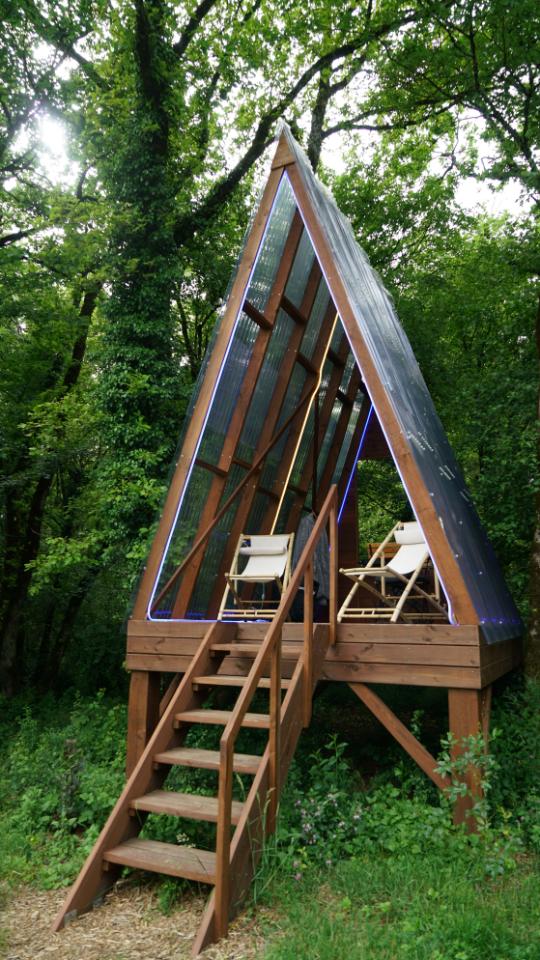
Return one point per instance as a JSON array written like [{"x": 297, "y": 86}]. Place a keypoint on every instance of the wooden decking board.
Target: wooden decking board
[
  {"x": 226, "y": 680},
  {"x": 207, "y": 759},
  {"x": 415, "y": 675},
  {"x": 164, "y": 633},
  {"x": 258, "y": 721},
  {"x": 252, "y": 649},
  {"x": 158, "y": 857},
  {"x": 186, "y": 805},
  {"x": 341, "y": 671},
  {"x": 407, "y": 653}
]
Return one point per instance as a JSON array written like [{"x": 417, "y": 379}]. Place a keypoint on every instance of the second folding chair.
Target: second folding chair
[{"x": 401, "y": 570}]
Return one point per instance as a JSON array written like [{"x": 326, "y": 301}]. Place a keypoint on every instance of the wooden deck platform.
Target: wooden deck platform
[{"x": 428, "y": 655}]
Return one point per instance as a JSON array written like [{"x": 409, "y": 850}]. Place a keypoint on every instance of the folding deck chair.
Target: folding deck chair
[
  {"x": 404, "y": 568},
  {"x": 268, "y": 562}
]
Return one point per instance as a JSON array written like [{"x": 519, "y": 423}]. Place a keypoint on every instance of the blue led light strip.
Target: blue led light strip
[
  {"x": 356, "y": 459},
  {"x": 211, "y": 402}
]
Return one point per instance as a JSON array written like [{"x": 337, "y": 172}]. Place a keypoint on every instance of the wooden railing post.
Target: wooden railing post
[
  {"x": 223, "y": 839},
  {"x": 333, "y": 540},
  {"x": 275, "y": 733},
  {"x": 271, "y": 651},
  {"x": 308, "y": 642}
]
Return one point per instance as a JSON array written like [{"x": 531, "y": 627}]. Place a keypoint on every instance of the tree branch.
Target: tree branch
[{"x": 191, "y": 26}]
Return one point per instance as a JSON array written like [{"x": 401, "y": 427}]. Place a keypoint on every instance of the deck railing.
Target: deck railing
[{"x": 270, "y": 652}]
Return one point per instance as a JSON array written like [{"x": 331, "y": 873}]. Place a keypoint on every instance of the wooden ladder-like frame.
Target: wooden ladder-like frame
[{"x": 230, "y": 869}]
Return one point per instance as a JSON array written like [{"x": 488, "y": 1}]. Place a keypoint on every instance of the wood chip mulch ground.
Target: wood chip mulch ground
[{"x": 129, "y": 926}]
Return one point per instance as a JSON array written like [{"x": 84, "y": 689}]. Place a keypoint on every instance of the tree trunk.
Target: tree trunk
[
  {"x": 20, "y": 575},
  {"x": 532, "y": 663}
]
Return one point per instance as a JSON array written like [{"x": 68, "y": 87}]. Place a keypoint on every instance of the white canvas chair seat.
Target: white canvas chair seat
[
  {"x": 404, "y": 567},
  {"x": 268, "y": 561}
]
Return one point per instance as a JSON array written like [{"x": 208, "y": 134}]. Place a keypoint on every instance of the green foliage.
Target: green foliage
[
  {"x": 515, "y": 788},
  {"x": 63, "y": 765},
  {"x": 401, "y": 880},
  {"x": 433, "y": 907}
]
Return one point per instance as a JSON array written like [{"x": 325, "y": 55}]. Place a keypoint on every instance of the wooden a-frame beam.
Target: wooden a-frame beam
[
  {"x": 419, "y": 496},
  {"x": 181, "y": 473},
  {"x": 241, "y": 410}
]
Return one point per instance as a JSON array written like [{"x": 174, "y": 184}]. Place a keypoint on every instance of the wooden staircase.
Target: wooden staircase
[{"x": 241, "y": 827}]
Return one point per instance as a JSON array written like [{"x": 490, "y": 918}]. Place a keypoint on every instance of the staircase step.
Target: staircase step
[
  {"x": 207, "y": 759},
  {"x": 260, "y": 721},
  {"x": 252, "y": 649},
  {"x": 199, "y": 865},
  {"x": 184, "y": 805},
  {"x": 220, "y": 680}
]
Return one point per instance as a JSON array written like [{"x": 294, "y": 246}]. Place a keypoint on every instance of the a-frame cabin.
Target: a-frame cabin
[{"x": 308, "y": 373}]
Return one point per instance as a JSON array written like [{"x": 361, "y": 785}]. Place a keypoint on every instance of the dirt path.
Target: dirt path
[{"x": 129, "y": 926}]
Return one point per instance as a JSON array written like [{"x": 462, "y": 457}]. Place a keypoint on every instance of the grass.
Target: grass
[
  {"x": 408, "y": 908},
  {"x": 366, "y": 864}
]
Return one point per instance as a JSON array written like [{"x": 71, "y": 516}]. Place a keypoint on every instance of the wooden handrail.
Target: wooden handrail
[
  {"x": 271, "y": 649},
  {"x": 206, "y": 533}
]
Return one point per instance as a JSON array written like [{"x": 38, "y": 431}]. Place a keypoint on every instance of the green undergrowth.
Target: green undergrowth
[
  {"x": 366, "y": 861},
  {"x": 438, "y": 906},
  {"x": 63, "y": 767}
]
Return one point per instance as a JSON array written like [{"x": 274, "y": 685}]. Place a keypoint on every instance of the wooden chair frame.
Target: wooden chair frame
[
  {"x": 392, "y": 609},
  {"x": 253, "y": 609}
]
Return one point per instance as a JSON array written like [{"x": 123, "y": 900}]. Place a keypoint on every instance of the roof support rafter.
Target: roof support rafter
[
  {"x": 268, "y": 428},
  {"x": 241, "y": 409}
]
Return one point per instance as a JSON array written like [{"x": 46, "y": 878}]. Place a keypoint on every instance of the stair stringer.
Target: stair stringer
[
  {"x": 248, "y": 839},
  {"x": 96, "y": 877}
]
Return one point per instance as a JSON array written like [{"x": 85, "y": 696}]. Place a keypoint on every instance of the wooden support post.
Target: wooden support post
[
  {"x": 308, "y": 642},
  {"x": 143, "y": 714},
  {"x": 334, "y": 558},
  {"x": 275, "y": 736},
  {"x": 468, "y": 715}
]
